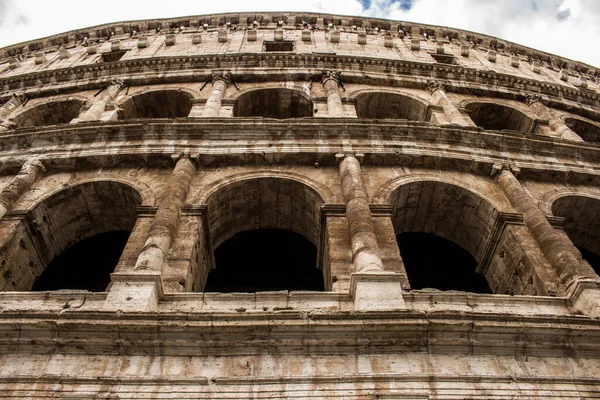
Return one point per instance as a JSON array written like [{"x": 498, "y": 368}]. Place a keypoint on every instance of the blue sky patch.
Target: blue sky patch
[{"x": 403, "y": 4}]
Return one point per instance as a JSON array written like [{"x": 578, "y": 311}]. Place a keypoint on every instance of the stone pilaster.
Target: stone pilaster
[
  {"x": 365, "y": 250},
  {"x": 141, "y": 289},
  {"x": 438, "y": 92},
  {"x": 331, "y": 83},
  {"x": 94, "y": 109},
  {"x": 220, "y": 83},
  {"x": 559, "y": 128},
  {"x": 7, "y": 109},
  {"x": 555, "y": 245},
  {"x": 29, "y": 174}
]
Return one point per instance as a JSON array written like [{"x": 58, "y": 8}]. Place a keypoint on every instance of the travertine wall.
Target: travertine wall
[{"x": 403, "y": 128}]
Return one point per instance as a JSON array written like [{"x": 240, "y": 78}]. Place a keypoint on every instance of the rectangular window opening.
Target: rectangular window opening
[
  {"x": 280, "y": 45},
  {"x": 112, "y": 56}
]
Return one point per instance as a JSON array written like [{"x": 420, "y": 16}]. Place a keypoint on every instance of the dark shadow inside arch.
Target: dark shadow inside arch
[
  {"x": 157, "y": 104},
  {"x": 273, "y": 103},
  {"x": 265, "y": 260},
  {"x": 52, "y": 113},
  {"x": 437, "y": 263},
  {"x": 498, "y": 117},
  {"x": 592, "y": 258},
  {"x": 588, "y": 132},
  {"x": 85, "y": 265},
  {"x": 389, "y": 105}
]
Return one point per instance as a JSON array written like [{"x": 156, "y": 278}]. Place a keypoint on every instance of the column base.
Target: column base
[
  {"x": 585, "y": 297},
  {"x": 377, "y": 291},
  {"x": 131, "y": 292}
]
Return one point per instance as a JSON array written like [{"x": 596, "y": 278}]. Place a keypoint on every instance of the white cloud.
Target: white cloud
[{"x": 533, "y": 23}]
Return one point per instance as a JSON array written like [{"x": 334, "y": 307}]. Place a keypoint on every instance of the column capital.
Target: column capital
[
  {"x": 116, "y": 82},
  {"x": 434, "y": 84},
  {"x": 221, "y": 76},
  {"x": 532, "y": 98},
  {"x": 499, "y": 167},
  {"x": 195, "y": 157},
  {"x": 36, "y": 162},
  {"x": 331, "y": 75},
  {"x": 340, "y": 156}
]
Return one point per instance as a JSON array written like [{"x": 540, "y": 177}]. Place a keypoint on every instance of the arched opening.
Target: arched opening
[
  {"x": 497, "y": 117},
  {"x": 52, "y": 113},
  {"x": 266, "y": 230},
  {"x": 587, "y": 131},
  {"x": 265, "y": 259},
  {"x": 449, "y": 267},
  {"x": 442, "y": 230},
  {"x": 273, "y": 103},
  {"x": 582, "y": 225},
  {"x": 389, "y": 105},
  {"x": 157, "y": 104},
  {"x": 74, "y": 241}
]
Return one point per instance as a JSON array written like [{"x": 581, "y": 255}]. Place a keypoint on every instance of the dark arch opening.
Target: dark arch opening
[
  {"x": 72, "y": 231},
  {"x": 498, "y": 117},
  {"x": 85, "y": 265},
  {"x": 434, "y": 262},
  {"x": 265, "y": 260},
  {"x": 389, "y": 105},
  {"x": 273, "y": 103},
  {"x": 157, "y": 104},
  {"x": 588, "y": 132},
  {"x": 582, "y": 225},
  {"x": 52, "y": 113}
]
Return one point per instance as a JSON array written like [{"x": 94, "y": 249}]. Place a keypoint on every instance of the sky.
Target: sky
[{"x": 570, "y": 28}]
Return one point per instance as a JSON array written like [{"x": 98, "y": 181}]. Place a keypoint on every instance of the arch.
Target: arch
[
  {"x": 388, "y": 104},
  {"x": 50, "y": 113},
  {"x": 280, "y": 103},
  {"x": 263, "y": 203},
  {"x": 62, "y": 221},
  {"x": 323, "y": 191},
  {"x": 499, "y": 116},
  {"x": 273, "y": 212},
  {"x": 582, "y": 222},
  {"x": 587, "y": 130},
  {"x": 157, "y": 103}
]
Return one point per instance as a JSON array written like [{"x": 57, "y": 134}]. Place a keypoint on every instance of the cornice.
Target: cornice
[
  {"x": 375, "y": 71},
  {"x": 217, "y": 141}
]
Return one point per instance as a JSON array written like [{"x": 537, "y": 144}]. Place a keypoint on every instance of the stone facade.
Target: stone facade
[{"x": 343, "y": 130}]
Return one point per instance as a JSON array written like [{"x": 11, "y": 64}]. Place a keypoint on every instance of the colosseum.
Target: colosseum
[{"x": 301, "y": 206}]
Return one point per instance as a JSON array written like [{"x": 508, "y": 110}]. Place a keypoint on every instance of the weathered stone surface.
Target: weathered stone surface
[{"x": 257, "y": 122}]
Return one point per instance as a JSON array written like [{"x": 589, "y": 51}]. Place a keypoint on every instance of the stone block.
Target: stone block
[
  {"x": 335, "y": 37},
  {"x": 465, "y": 49},
  {"x": 306, "y": 35},
  {"x": 63, "y": 54},
  {"x": 222, "y": 36},
  {"x": 582, "y": 82},
  {"x": 536, "y": 67},
  {"x": 377, "y": 291},
  {"x": 564, "y": 75},
  {"x": 252, "y": 36},
  {"x": 491, "y": 55},
  {"x": 115, "y": 45},
  {"x": 196, "y": 39},
  {"x": 92, "y": 49},
  {"x": 142, "y": 43},
  {"x": 515, "y": 61},
  {"x": 415, "y": 44},
  {"x": 40, "y": 58},
  {"x": 278, "y": 35},
  {"x": 362, "y": 38},
  {"x": 170, "y": 39},
  {"x": 388, "y": 41}
]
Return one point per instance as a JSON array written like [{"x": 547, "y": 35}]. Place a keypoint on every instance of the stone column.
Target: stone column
[
  {"x": 220, "y": 83},
  {"x": 365, "y": 250},
  {"x": 29, "y": 174},
  {"x": 331, "y": 83},
  {"x": 96, "y": 107},
  {"x": 438, "y": 92},
  {"x": 7, "y": 109},
  {"x": 560, "y": 128},
  {"x": 165, "y": 225},
  {"x": 558, "y": 249},
  {"x": 142, "y": 288}
]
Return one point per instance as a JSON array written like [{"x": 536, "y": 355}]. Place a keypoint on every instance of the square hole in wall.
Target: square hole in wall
[
  {"x": 112, "y": 56},
  {"x": 279, "y": 45},
  {"x": 443, "y": 58}
]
